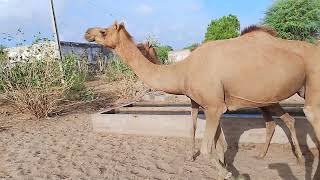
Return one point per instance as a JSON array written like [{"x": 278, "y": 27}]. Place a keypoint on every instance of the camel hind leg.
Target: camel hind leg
[
  {"x": 270, "y": 128},
  {"x": 289, "y": 121}
]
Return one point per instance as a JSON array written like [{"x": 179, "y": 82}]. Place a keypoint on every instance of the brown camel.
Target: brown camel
[
  {"x": 213, "y": 77},
  {"x": 149, "y": 52}
]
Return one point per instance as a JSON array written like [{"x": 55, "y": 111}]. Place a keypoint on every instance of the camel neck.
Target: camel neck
[{"x": 165, "y": 78}]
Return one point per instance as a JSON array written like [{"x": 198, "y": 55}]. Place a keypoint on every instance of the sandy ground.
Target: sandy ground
[{"x": 67, "y": 148}]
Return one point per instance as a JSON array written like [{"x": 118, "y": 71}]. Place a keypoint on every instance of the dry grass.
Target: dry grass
[
  {"x": 34, "y": 87},
  {"x": 36, "y": 101}
]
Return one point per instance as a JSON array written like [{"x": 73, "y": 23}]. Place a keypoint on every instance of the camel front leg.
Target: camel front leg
[
  {"x": 221, "y": 145},
  {"x": 312, "y": 112},
  {"x": 270, "y": 128},
  {"x": 213, "y": 115},
  {"x": 194, "y": 116}
]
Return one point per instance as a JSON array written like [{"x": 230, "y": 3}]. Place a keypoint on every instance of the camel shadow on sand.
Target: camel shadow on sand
[{"x": 235, "y": 127}]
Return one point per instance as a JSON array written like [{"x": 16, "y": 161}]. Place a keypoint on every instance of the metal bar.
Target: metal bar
[{"x": 148, "y": 108}]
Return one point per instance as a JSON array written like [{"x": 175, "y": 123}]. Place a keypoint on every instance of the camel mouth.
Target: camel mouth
[{"x": 89, "y": 37}]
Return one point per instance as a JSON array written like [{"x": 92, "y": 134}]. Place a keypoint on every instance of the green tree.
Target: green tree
[
  {"x": 224, "y": 28},
  {"x": 162, "y": 50},
  {"x": 295, "y": 19},
  {"x": 162, "y": 53}
]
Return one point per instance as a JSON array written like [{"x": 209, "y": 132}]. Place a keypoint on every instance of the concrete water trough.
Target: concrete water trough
[{"x": 242, "y": 126}]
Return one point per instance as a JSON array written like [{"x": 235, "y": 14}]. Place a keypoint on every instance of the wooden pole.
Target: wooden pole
[{"x": 56, "y": 35}]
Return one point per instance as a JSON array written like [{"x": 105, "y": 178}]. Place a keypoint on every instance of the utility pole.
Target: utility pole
[
  {"x": 56, "y": 35},
  {"x": 54, "y": 26}
]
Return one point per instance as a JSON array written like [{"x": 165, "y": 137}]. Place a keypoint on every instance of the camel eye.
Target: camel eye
[{"x": 103, "y": 32}]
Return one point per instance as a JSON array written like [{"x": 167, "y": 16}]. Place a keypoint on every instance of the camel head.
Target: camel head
[
  {"x": 149, "y": 52},
  {"x": 108, "y": 37}
]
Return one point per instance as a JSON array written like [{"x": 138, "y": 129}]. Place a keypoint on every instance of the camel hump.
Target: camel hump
[{"x": 254, "y": 28}]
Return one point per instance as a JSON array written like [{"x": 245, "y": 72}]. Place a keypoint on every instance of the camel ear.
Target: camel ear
[
  {"x": 146, "y": 44},
  {"x": 115, "y": 25},
  {"x": 149, "y": 44},
  {"x": 121, "y": 25}
]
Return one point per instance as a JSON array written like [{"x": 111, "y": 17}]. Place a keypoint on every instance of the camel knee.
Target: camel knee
[
  {"x": 288, "y": 120},
  {"x": 270, "y": 125},
  {"x": 270, "y": 128},
  {"x": 310, "y": 113}
]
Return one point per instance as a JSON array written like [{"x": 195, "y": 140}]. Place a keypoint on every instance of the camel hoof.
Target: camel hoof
[
  {"x": 260, "y": 156},
  {"x": 227, "y": 177},
  {"x": 300, "y": 161},
  {"x": 240, "y": 177},
  {"x": 194, "y": 157}
]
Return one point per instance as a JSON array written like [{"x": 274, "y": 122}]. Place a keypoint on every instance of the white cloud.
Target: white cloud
[
  {"x": 144, "y": 9},
  {"x": 21, "y": 8}
]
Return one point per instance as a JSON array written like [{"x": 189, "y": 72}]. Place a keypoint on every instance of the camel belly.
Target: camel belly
[{"x": 260, "y": 86}]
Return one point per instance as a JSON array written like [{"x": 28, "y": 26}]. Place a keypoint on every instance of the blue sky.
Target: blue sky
[{"x": 177, "y": 23}]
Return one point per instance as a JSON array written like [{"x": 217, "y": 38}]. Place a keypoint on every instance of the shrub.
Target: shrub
[
  {"x": 224, "y": 28},
  {"x": 162, "y": 53},
  {"x": 162, "y": 50},
  {"x": 33, "y": 86},
  {"x": 3, "y": 54},
  {"x": 75, "y": 73},
  {"x": 3, "y": 59},
  {"x": 116, "y": 70},
  {"x": 295, "y": 19},
  {"x": 36, "y": 85}
]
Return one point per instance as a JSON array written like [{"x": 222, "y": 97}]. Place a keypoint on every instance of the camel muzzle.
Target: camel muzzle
[{"x": 88, "y": 36}]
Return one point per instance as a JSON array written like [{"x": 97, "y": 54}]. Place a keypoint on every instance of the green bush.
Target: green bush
[
  {"x": 3, "y": 54},
  {"x": 161, "y": 50},
  {"x": 295, "y": 19},
  {"x": 162, "y": 53},
  {"x": 75, "y": 73},
  {"x": 3, "y": 60},
  {"x": 224, "y": 28},
  {"x": 116, "y": 70}
]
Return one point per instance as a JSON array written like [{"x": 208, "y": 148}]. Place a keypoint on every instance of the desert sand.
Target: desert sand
[{"x": 66, "y": 148}]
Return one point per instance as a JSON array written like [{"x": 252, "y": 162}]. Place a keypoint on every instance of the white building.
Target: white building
[{"x": 175, "y": 56}]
